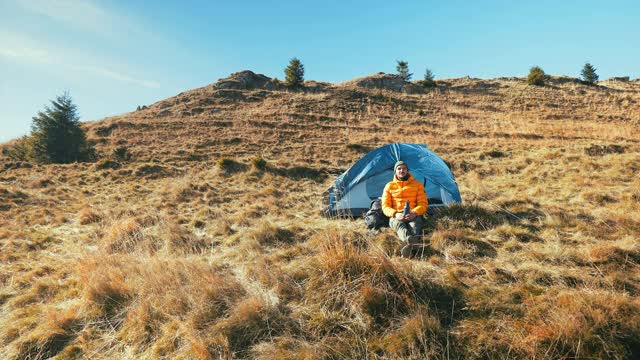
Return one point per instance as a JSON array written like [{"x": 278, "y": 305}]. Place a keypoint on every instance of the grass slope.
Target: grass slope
[{"x": 198, "y": 232}]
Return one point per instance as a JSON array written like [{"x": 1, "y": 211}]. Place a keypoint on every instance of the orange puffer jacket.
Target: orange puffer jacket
[{"x": 397, "y": 192}]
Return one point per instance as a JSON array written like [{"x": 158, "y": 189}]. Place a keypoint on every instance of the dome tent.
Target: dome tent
[{"x": 352, "y": 192}]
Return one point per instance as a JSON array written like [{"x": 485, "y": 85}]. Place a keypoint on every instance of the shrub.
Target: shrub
[
  {"x": 122, "y": 153},
  {"x": 259, "y": 163},
  {"x": 56, "y": 135},
  {"x": 294, "y": 73},
  {"x": 19, "y": 150},
  {"x": 226, "y": 163},
  {"x": 536, "y": 76},
  {"x": 589, "y": 74},
  {"x": 230, "y": 166}
]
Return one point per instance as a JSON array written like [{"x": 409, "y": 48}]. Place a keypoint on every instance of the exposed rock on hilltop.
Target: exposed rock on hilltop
[
  {"x": 621, "y": 83},
  {"x": 246, "y": 80},
  {"x": 619, "y": 78},
  {"x": 384, "y": 81}
]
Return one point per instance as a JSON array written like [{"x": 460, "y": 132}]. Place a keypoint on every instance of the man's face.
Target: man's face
[{"x": 401, "y": 171}]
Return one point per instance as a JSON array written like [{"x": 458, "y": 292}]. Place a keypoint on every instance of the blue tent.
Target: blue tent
[{"x": 352, "y": 192}]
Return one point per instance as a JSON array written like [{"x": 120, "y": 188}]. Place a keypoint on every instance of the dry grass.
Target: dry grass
[{"x": 203, "y": 238}]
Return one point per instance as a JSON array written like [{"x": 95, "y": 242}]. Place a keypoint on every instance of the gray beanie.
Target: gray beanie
[{"x": 398, "y": 163}]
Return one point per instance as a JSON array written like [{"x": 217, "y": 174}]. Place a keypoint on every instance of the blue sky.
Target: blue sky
[{"x": 115, "y": 55}]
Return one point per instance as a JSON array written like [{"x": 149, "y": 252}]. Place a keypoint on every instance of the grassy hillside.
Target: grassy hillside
[{"x": 197, "y": 234}]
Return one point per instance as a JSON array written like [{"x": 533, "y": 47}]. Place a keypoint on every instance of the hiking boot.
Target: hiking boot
[
  {"x": 414, "y": 239},
  {"x": 406, "y": 251}
]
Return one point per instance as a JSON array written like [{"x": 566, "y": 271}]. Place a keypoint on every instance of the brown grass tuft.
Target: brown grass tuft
[
  {"x": 251, "y": 322},
  {"x": 123, "y": 235},
  {"x": 417, "y": 336},
  {"x": 50, "y": 337},
  {"x": 106, "y": 290},
  {"x": 87, "y": 215},
  {"x": 151, "y": 234},
  {"x": 268, "y": 234}
]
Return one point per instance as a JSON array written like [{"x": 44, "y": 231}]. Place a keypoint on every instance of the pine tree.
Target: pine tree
[
  {"x": 428, "y": 79},
  {"x": 56, "y": 135},
  {"x": 536, "y": 76},
  {"x": 294, "y": 73},
  {"x": 403, "y": 70},
  {"x": 589, "y": 74}
]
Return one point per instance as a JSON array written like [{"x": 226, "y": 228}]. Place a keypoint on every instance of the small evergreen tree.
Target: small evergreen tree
[
  {"x": 403, "y": 70},
  {"x": 56, "y": 135},
  {"x": 589, "y": 74},
  {"x": 428, "y": 79},
  {"x": 294, "y": 73},
  {"x": 536, "y": 76}
]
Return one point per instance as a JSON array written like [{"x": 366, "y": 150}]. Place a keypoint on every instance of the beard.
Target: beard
[{"x": 403, "y": 178}]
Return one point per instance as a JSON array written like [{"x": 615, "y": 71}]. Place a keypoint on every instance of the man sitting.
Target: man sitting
[{"x": 405, "y": 219}]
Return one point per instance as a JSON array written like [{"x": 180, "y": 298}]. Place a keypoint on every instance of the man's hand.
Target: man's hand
[{"x": 409, "y": 217}]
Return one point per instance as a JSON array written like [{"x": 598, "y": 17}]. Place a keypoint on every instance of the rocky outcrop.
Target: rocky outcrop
[
  {"x": 384, "y": 81},
  {"x": 315, "y": 86},
  {"x": 246, "y": 80},
  {"x": 619, "y": 78}
]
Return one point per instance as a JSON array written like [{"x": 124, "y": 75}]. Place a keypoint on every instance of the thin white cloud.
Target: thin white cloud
[
  {"x": 122, "y": 77},
  {"x": 22, "y": 53},
  {"x": 22, "y": 48},
  {"x": 83, "y": 14},
  {"x": 26, "y": 50}
]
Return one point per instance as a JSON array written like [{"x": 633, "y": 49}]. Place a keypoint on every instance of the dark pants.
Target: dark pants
[{"x": 405, "y": 229}]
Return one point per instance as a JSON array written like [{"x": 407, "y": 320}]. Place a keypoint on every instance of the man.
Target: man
[{"x": 396, "y": 193}]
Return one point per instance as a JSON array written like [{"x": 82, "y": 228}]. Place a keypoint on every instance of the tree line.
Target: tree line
[
  {"x": 538, "y": 77},
  {"x": 294, "y": 74}
]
